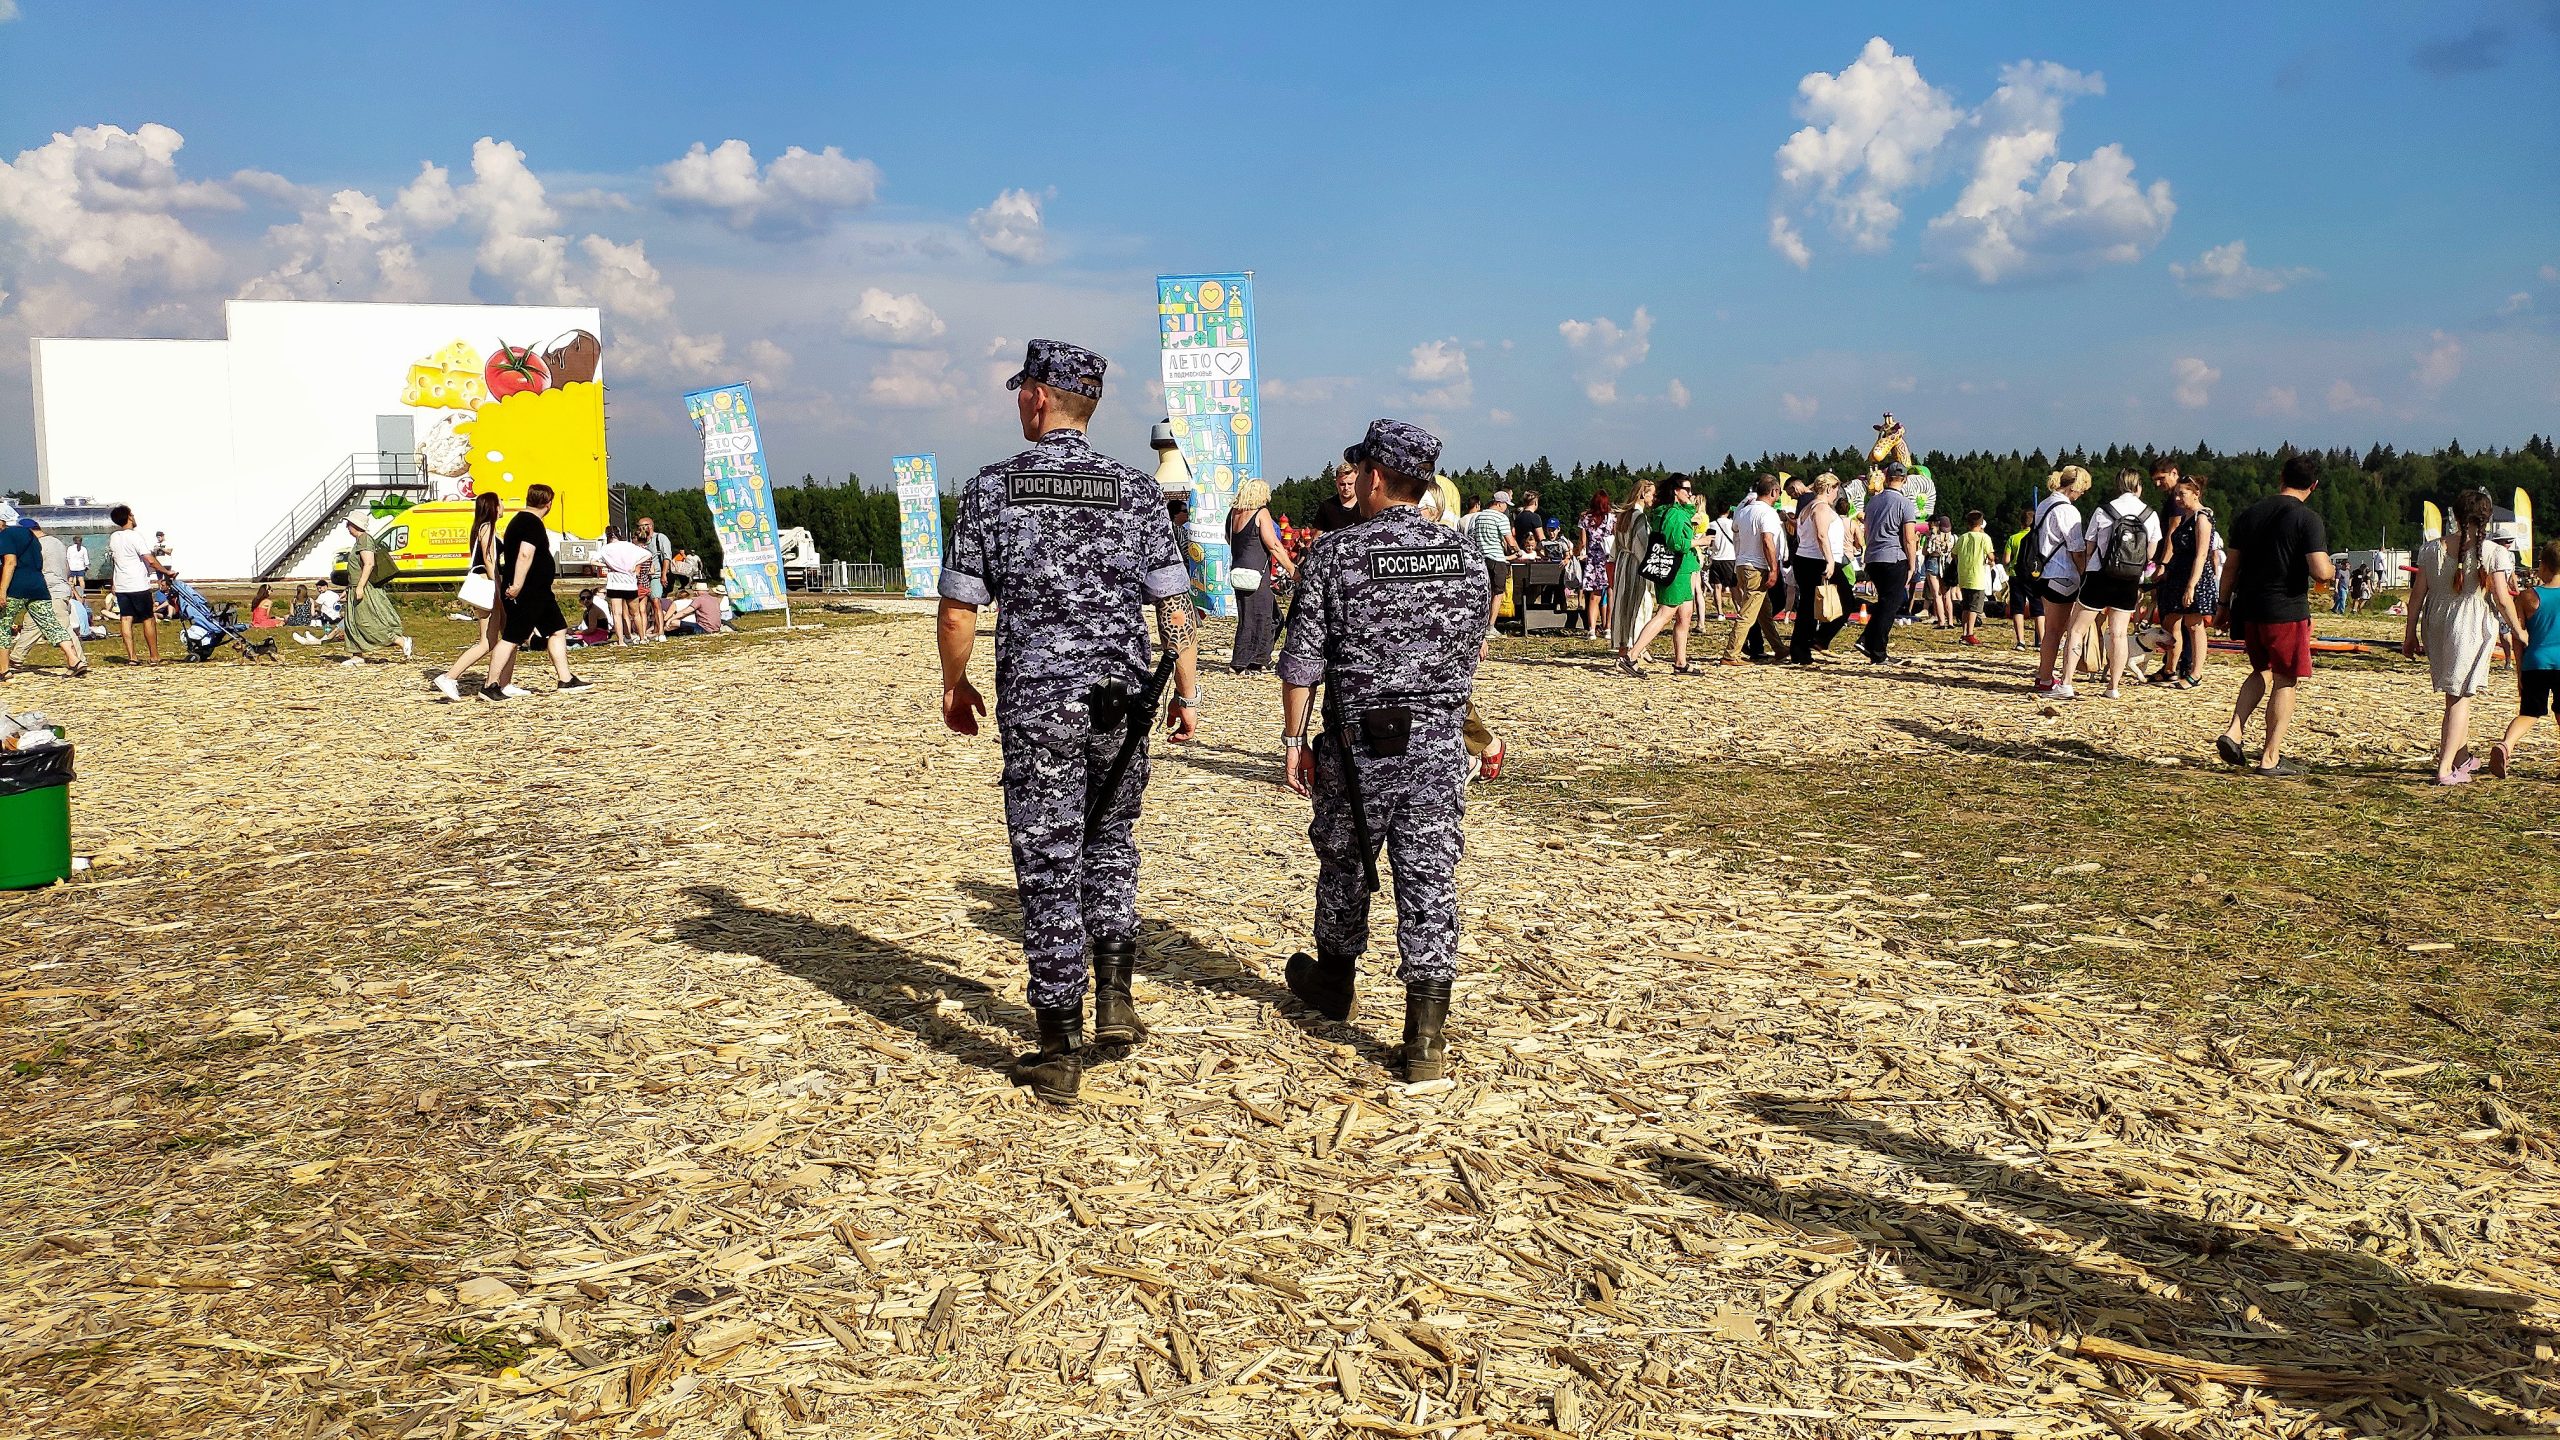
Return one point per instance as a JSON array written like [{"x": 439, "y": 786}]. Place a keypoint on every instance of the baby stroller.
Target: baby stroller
[{"x": 206, "y": 629}]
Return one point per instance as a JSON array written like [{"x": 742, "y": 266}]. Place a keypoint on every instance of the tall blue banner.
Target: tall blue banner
[
  {"x": 740, "y": 495},
  {"x": 919, "y": 523},
  {"x": 1205, "y": 333}
]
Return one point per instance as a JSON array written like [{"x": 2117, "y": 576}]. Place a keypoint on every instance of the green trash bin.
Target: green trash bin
[{"x": 35, "y": 817}]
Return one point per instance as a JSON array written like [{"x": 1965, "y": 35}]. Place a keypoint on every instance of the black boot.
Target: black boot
[
  {"x": 1055, "y": 1071},
  {"x": 1115, "y": 1012},
  {"x": 1426, "y": 1009},
  {"x": 1325, "y": 983}
]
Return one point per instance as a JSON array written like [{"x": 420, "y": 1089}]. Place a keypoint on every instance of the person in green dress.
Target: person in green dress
[
  {"x": 373, "y": 622},
  {"x": 1678, "y": 527}
]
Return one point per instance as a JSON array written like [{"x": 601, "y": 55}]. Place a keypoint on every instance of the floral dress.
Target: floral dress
[{"x": 1595, "y": 555}]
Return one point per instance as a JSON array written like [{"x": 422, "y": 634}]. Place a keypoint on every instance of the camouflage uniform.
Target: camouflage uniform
[
  {"x": 1390, "y": 612},
  {"x": 1069, "y": 545}
]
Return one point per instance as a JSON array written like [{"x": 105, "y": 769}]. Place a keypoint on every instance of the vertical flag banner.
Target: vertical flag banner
[
  {"x": 741, "y": 498},
  {"x": 919, "y": 523},
  {"x": 1205, "y": 331}
]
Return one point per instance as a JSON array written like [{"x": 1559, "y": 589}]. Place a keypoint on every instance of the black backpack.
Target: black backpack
[
  {"x": 2031, "y": 553},
  {"x": 2128, "y": 545},
  {"x": 1661, "y": 557}
]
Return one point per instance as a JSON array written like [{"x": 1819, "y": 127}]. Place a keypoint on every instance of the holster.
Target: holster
[
  {"x": 1108, "y": 706},
  {"x": 1388, "y": 729}
]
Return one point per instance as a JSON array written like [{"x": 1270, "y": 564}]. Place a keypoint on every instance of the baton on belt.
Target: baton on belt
[
  {"x": 1340, "y": 733},
  {"x": 1140, "y": 715}
]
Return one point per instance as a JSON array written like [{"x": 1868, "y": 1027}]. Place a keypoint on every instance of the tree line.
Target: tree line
[
  {"x": 848, "y": 521},
  {"x": 2361, "y": 496}
]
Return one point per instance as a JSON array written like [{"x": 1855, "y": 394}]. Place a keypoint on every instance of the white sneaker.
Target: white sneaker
[
  {"x": 351, "y": 662},
  {"x": 408, "y": 648},
  {"x": 514, "y": 692},
  {"x": 446, "y": 688},
  {"x": 2062, "y": 692},
  {"x": 299, "y": 638}
]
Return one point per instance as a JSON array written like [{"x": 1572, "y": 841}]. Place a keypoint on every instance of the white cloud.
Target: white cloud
[
  {"x": 2517, "y": 303},
  {"x": 1500, "y": 416},
  {"x": 1602, "y": 351},
  {"x": 2280, "y": 400},
  {"x": 1010, "y": 229},
  {"x": 893, "y": 319},
  {"x": 2194, "y": 382},
  {"x": 1874, "y": 133},
  {"x": 798, "y": 194},
  {"x": 1800, "y": 407},
  {"x": 347, "y": 247},
  {"x": 1677, "y": 394},
  {"x": 1314, "y": 390},
  {"x": 914, "y": 380},
  {"x": 2347, "y": 399},
  {"x": 2224, "y": 273},
  {"x": 8, "y": 11},
  {"x": 2025, "y": 214},
  {"x": 2550, "y": 272},
  {"x": 768, "y": 364},
  {"x": 98, "y": 210},
  {"x": 1441, "y": 367},
  {"x": 2439, "y": 363},
  {"x": 1902, "y": 384}
]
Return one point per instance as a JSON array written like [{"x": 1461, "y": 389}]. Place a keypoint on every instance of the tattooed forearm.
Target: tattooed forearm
[{"x": 1177, "y": 624}]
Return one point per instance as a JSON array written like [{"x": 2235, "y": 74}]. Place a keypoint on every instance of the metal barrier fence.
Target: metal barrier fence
[{"x": 858, "y": 577}]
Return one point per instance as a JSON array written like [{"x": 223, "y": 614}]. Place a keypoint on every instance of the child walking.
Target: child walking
[{"x": 2538, "y": 671}]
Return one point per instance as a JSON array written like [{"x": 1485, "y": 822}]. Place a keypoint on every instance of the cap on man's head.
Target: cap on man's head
[
  {"x": 1501, "y": 497},
  {"x": 1394, "y": 445},
  {"x": 1060, "y": 366},
  {"x": 1895, "y": 467}
]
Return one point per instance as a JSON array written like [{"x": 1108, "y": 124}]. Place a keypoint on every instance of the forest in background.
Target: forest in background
[{"x": 2360, "y": 494}]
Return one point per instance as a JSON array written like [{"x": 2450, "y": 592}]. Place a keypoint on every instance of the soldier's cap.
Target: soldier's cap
[
  {"x": 1060, "y": 366},
  {"x": 1395, "y": 445}
]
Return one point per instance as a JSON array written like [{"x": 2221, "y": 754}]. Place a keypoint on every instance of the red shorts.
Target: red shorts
[{"x": 2283, "y": 646}]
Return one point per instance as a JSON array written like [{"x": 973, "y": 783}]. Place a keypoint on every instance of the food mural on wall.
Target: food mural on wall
[{"x": 498, "y": 419}]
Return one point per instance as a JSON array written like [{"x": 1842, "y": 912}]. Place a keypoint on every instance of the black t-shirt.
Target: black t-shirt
[
  {"x": 2276, "y": 539},
  {"x": 1334, "y": 514},
  {"x": 526, "y": 529},
  {"x": 1526, "y": 527}
]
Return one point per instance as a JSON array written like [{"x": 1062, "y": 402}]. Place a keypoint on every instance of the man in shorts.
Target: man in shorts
[
  {"x": 2277, "y": 548},
  {"x": 134, "y": 566},
  {"x": 1971, "y": 556}
]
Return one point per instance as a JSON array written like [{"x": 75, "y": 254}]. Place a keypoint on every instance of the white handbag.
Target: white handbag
[
  {"x": 480, "y": 592},
  {"x": 1245, "y": 581}
]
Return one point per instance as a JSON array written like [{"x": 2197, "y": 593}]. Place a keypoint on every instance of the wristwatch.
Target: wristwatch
[
  {"x": 1293, "y": 742},
  {"x": 1187, "y": 702}
]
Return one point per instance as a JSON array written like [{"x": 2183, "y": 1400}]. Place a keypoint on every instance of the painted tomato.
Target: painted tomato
[{"x": 515, "y": 370}]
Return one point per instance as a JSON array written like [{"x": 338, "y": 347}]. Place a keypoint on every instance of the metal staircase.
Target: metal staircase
[{"x": 362, "y": 474}]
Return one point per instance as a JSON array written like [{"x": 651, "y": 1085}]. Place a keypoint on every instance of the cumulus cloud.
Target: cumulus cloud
[
  {"x": 2193, "y": 382},
  {"x": 1602, "y": 351},
  {"x": 2025, "y": 214},
  {"x": 346, "y": 247},
  {"x": 8, "y": 11},
  {"x": 1500, "y": 416},
  {"x": 2346, "y": 399},
  {"x": 2439, "y": 363},
  {"x": 1800, "y": 407},
  {"x": 1677, "y": 394},
  {"x": 1440, "y": 366},
  {"x": 2280, "y": 400},
  {"x": 2518, "y": 303},
  {"x": 1873, "y": 133},
  {"x": 798, "y": 194},
  {"x": 1010, "y": 229},
  {"x": 914, "y": 380},
  {"x": 1879, "y": 132},
  {"x": 99, "y": 209},
  {"x": 2224, "y": 273},
  {"x": 893, "y": 319}
]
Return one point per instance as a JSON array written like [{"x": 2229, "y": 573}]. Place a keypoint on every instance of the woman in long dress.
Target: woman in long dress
[
  {"x": 1630, "y": 598},
  {"x": 373, "y": 622},
  {"x": 2463, "y": 587},
  {"x": 1253, "y": 543}
]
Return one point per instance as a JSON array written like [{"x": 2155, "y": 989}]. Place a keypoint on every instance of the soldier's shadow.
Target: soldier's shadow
[
  {"x": 2317, "y": 1325},
  {"x": 880, "y": 977},
  {"x": 1172, "y": 955}
]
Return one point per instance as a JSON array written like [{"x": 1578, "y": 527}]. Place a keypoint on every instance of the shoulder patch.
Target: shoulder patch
[
  {"x": 1416, "y": 562},
  {"x": 1063, "y": 487}
]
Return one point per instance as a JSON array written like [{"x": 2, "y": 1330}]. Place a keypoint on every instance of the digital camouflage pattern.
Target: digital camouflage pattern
[
  {"x": 1391, "y": 611},
  {"x": 1398, "y": 445},
  {"x": 1069, "y": 545},
  {"x": 1060, "y": 366}
]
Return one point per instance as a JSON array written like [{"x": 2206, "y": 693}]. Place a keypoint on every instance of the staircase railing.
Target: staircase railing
[{"x": 364, "y": 473}]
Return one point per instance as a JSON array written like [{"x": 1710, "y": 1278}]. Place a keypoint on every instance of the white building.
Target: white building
[{"x": 263, "y": 441}]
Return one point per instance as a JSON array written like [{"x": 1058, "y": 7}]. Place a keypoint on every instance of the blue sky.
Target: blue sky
[{"x": 1615, "y": 232}]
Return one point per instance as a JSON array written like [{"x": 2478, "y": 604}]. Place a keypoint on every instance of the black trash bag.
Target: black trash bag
[{"x": 24, "y": 770}]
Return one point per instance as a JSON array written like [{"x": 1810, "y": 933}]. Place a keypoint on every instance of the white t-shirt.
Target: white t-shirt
[
  {"x": 2058, "y": 534},
  {"x": 622, "y": 562},
  {"x": 1755, "y": 525},
  {"x": 126, "y": 549},
  {"x": 2122, "y": 510},
  {"x": 79, "y": 556},
  {"x": 1720, "y": 541},
  {"x": 330, "y": 605}
]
